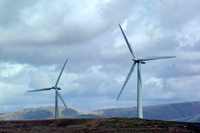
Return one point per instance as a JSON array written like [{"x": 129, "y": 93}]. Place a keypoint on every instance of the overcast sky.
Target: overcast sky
[{"x": 36, "y": 37}]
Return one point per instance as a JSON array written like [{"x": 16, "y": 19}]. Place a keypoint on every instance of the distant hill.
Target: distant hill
[
  {"x": 187, "y": 111},
  {"x": 46, "y": 113}
]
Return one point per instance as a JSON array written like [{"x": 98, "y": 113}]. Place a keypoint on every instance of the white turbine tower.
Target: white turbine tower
[
  {"x": 57, "y": 93},
  {"x": 139, "y": 81}
]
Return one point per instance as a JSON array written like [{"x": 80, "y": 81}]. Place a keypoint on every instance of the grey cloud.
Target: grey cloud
[
  {"x": 44, "y": 34},
  {"x": 10, "y": 12},
  {"x": 195, "y": 47},
  {"x": 175, "y": 14},
  {"x": 58, "y": 23}
]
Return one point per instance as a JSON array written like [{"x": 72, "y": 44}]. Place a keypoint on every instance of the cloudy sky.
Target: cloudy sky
[{"x": 36, "y": 37}]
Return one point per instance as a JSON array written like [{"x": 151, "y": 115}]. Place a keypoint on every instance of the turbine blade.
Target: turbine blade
[
  {"x": 127, "y": 78},
  {"x": 45, "y": 89},
  {"x": 61, "y": 98},
  {"x": 156, "y": 58},
  {"x": 129, "y": 46},
  {"x": 61, "y": 73}
]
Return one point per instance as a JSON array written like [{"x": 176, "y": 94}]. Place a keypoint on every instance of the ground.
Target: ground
[{"x": 78, "y": 125}]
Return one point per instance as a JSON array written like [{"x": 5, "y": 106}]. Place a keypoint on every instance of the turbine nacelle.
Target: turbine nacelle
[
  {"x": 137, "y": 61},
  {"x": 56, "y": 88}
]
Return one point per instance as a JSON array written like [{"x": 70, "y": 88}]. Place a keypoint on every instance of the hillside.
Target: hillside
[
  {"x": 45, "y": 113},
  {"x": 187, "y": 111},
  {"x": 77, "y": 125}
]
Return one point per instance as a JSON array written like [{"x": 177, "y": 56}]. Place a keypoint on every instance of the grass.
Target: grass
[{"x": 96, "y": 125}]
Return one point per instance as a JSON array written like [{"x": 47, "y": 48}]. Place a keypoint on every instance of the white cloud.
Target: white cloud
[
  {"x": 10, "y": 69},
  {"x": 120, "y": 79},
  {"x": 190, "y": 33}
]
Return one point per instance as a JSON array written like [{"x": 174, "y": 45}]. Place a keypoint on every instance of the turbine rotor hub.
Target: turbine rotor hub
[{"x": 137, "y": 61}]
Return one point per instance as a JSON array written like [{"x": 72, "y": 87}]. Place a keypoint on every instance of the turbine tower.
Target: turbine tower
[
  {"x": 139, "y": 80},
  {"x": 57, "y": 93}
]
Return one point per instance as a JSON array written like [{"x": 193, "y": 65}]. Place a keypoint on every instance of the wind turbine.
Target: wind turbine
[
  {"x": 57, "y": 93},
  {"x": 139, "y": 81}
]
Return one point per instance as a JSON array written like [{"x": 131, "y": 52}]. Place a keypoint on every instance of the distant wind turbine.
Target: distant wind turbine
[
  {"x": 57, "y": 93},
  {"x": 139, "y": 81}
]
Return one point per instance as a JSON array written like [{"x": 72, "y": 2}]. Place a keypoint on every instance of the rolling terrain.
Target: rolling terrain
[
  {"x": 187, "y": 111},
  {"x": 78, "y": 125}
]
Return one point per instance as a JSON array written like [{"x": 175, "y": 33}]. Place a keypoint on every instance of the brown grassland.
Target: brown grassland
[{"x": 79, "y": 125}]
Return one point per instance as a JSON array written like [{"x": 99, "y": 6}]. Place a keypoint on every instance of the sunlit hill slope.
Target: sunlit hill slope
[{"x": 187, "y": 111}]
